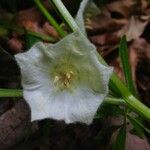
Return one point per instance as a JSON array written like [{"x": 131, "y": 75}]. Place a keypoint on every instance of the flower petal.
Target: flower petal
[
  {"x": 45, "y": 101},
  {"x": 34, "y": 65},
  {"x": 35, "y": 56},
  {"x": 83, "y": 105},
  {"x": 44, "y": 105},
  {"x": 74, "y": 44},
  {"x": 79, "y": 17},
  {"x": 85, "y": 101}
]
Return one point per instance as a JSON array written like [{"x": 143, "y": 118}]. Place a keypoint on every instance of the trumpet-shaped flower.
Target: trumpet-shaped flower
[{"x": 64, "y": 81}]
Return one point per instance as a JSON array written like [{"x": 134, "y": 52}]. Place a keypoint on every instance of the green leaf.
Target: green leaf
[
  {"x": 64, "y": 14},
  {"x": 41, "y": 36},
  {"x": 114, "y": 101},
  {"x": 30, "y": 40},
  {"x": 13, "y": 27},
  {"x": 138, "y": 126},
  {"x": 123, "y": 52},
  {"x": 10, "y": 93},
  {"x": 121, "y": 139},
  {"x": 50, "y": 18},
  {"x": 137, "y": 130}
]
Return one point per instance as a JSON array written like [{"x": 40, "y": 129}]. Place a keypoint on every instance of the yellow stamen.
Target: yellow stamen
[{"x": 64, "y": 80}]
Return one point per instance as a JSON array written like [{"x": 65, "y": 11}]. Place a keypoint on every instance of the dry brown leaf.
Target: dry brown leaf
[
  {"x": 133, "y": 142},
  {"x": 15, "y": 45},
  {"x": 31, "y": 14},
  {"x": 138, "y": 50},
  {"x": 48, "y": 29},
  {"x": 118, "y": 18},
  {"x": 134, "y": 28}
]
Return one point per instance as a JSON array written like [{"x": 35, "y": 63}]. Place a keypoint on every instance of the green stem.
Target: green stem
[
  {"x": 10, "y": 93},
  {"x": 123, "y": 54},
  {"x": 115, "y": 83},
  {"x": 19, "y": 93},
  {"x": 139, "y": 123},
  {"x": 65, "y": 15},
  {"x": 50, "y": 18},
  {"x": 22, "y": 31},
  {"x": 41, "y": 36},
  {"x": 114, "y": 101},
  {"x": 132, "y": 102}
]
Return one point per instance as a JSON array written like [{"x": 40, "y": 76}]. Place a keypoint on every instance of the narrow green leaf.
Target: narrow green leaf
[
  {"x": 10, "y": 93},
  {"x": 41, "y": 36},
  {"x": 114, "y": 101},
  {"x": 123, "y": 52},
  {"x": 64, "y": 14},
  {"x": 30, "y": 40},
  {"x": 138, "y": 126},
  {"x": 50, "y": 18},
  {"x": 20, "y": 30},
  {"x": 138, "y": 132},
  {"x": 121, "y": 139}
]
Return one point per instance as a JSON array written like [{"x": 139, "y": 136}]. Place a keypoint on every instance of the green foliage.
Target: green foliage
[
  {"x": 10, "y": 93},
  {"x": 121, "y": 139},
  {"x": 30, "y": 40},
  {"x": 5, "y": 25},
  {"x": 50, "y": 18},
  {"x": 139, "y": 128},
  {"x": 123, "y": 52}
]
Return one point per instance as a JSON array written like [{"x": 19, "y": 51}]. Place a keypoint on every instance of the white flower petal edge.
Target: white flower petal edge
[
  {"x": 80, "y": 17},
  {"x": 79, "y": 105}
]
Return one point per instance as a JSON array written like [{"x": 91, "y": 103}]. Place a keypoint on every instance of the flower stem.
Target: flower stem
[
  {"x": 64, "y": 14},
  {"x": 114, "y": 101},
  {"x": 19, "y": 93},
  {"x": 11, "y": 93},
  {"x": 22, "y": 31},
  {"x": 132, "y": 102},
  {"x": 115, "y": 83},
  {"x": 41, "y": 36},
  {"x": 50, "y": 18}
]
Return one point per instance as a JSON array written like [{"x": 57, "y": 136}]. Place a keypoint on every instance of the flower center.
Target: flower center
[{"x": 64, "y": 80}]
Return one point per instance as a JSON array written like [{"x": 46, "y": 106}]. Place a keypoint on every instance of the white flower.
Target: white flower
[{"x": 64, "y": 81}]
